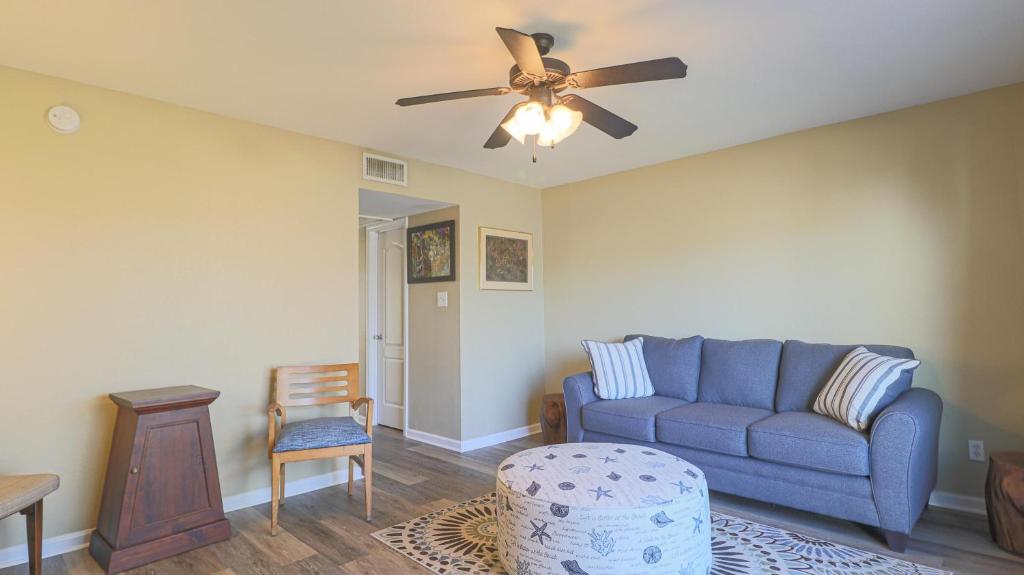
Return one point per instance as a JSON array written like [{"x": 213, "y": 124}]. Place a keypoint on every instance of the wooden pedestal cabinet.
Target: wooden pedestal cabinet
[{"x": 162, "y": 494}]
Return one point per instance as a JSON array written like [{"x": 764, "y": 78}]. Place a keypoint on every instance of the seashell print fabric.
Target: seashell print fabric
[{"x": 602, "y": 508}]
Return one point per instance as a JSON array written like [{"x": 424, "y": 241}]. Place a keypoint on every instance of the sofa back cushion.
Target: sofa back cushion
[
  {"x": 673, "y": 364},
  {"x": 740, "y": 372},
  {"x": 807, "y": 367}
]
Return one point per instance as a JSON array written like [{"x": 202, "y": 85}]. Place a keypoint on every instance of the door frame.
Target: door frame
[{"x": 373, "y": 232}]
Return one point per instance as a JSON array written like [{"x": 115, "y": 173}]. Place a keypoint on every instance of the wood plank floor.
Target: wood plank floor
[{"x": 324, "y": 532}]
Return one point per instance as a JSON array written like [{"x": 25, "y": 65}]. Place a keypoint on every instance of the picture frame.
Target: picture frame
[
  {"x": 430, "y": 253},
  {"x": 506, "y": 260}
]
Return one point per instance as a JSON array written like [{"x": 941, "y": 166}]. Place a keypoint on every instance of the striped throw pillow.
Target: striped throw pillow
[
  {"x": 619, "y": 369},
  {"x": 853, "y": 394}
]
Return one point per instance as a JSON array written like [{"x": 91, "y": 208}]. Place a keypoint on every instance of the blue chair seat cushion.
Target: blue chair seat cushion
[
  {"x": 630, "y": 418},
  {"x": 319, "y": 433},
  {"x": 810, "y": 440},
  {"x": 718, "y": 427}
]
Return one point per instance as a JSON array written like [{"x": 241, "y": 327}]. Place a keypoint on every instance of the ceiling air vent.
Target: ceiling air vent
[{"x": 387, "y": 170}]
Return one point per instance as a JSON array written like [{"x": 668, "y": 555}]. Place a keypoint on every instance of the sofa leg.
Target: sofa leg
[{"x": 897, "y": 541}]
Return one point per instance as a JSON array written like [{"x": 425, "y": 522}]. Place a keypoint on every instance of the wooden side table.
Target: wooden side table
[
  {"x": 552, "y": 419},
  {"x": 1004, "y": 498},
  {"x": 162, "y": 493}
]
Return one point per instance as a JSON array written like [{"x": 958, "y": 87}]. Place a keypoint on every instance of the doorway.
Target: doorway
[{"x": 386, "y": 336}]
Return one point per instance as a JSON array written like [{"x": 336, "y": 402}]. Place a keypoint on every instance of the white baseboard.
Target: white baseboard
[
  {"x": 964, "y": 503},
  {"x": 297, "y": 487},
  {"x": 56, "y": 545},
  {"x": 500, "y": 437},
  {"x": 435, "y": 440},
  {"x": 471, "y": 444},
  {"x": 68, "y": 542}
]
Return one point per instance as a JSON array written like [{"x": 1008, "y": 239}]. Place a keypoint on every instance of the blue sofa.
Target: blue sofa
[{"x": 741, "y": 411}]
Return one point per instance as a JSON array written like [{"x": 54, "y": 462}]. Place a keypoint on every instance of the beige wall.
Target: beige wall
[
  {"x": 904, "y": 228},
  {"x": 435, "y": 396},
  {"x": 161, "y": 246}
]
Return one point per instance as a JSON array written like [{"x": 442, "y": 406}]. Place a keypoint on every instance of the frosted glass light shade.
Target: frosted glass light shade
[{"x": 561, "y": 123}]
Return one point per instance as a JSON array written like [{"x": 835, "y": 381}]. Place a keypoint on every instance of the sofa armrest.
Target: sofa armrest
[
  {"x": 904, "y": 458},
  {"x": 579, "y": 391}
]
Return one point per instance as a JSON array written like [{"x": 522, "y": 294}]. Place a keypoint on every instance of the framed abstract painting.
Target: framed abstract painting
[
  {"x": 431, "y": 250},
  {"x": 506, "y": 260}
]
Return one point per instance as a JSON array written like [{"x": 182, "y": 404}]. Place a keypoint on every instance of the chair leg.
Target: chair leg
[
  {"x": 275, "y": 492},
  {"x": 282, "y": 485},
  {"x": 368, "y": 481},
  {"x": 351, "y": 474},
  {"x": 34, "y": 528}
]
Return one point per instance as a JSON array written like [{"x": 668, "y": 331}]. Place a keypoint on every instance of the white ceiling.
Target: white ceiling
[{"x": 333, "y": 68}]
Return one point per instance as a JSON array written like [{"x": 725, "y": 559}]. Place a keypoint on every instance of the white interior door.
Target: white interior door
[{"x": 391, "y": 327}]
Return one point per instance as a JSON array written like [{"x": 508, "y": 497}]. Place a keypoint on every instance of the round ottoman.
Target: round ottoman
[{"x": 602, "y": 508}]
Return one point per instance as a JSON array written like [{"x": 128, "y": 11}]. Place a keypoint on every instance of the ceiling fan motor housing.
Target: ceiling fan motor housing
[{"x": 557, "y": 71}]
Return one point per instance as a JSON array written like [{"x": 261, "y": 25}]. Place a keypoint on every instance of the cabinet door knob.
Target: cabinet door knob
[{"x": 134, "y": 470}]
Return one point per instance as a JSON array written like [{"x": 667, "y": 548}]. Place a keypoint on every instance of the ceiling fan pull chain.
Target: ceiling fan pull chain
[{"x": 535, "y": 149}]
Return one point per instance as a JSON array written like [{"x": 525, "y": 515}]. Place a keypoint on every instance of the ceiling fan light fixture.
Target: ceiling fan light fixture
[
  {"x": 512, "y": 127},
  {"x": 530, "y": 118},
  {"x": 563, "y": 121}
]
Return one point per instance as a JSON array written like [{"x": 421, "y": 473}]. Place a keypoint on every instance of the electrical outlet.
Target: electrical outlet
[
  {"x": 442, "y": 299},
  {"x": 976, "y": 449}
]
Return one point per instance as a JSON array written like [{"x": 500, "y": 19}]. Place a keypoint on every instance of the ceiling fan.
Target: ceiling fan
[{"x": 548, "y": 114}]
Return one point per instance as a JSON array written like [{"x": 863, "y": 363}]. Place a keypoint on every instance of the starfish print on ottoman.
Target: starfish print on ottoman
[
  {"x": 683, "y": 488},
  {"x": 599, "y": 493},
  {"x": 540, "y": 531},
  {"x": 609, "y": 459},
  {"x": 535, "y": 467},
  {"x": 697, "y": 522}
]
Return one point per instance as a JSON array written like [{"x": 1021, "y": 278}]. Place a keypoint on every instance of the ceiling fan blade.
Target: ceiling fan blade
[
  {"x": 499, "y": 138},
  {"x": 524, "y": 51},
  {"x": 663, "y": 69},
  {"x": 609, "y": 123},
  {"x": 452, "y": 96}
]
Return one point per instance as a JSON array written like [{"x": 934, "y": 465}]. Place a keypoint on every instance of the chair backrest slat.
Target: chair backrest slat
[{"x": 316, "y": 384}]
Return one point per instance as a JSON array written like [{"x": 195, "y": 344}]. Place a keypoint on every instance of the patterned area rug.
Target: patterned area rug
[{"x": 461, "y": 539}]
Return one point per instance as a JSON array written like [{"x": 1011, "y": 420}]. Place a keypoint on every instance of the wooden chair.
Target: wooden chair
[
  {"x": 25, "y": 493},
  {"x": 320, "y": 438}
]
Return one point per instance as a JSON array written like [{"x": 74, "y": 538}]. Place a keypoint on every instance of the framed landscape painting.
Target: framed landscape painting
[
  {"x": 506, "y": 260},
  {"x": 431, "y": 250}
]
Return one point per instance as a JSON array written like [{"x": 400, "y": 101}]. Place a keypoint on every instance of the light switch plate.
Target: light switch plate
[
  {"x": 442, "y": 299},
  {"x": 976, "y": 449}
]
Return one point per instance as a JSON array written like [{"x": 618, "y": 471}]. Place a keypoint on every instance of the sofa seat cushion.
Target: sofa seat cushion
[
  {"x": 810, "y": 440},
  {"x": 631, "y": 418},
  {"x": 715, "y": 427}
]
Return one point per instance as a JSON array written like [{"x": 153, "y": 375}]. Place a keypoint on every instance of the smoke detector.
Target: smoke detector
[{"x": 63, "y": 120}]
